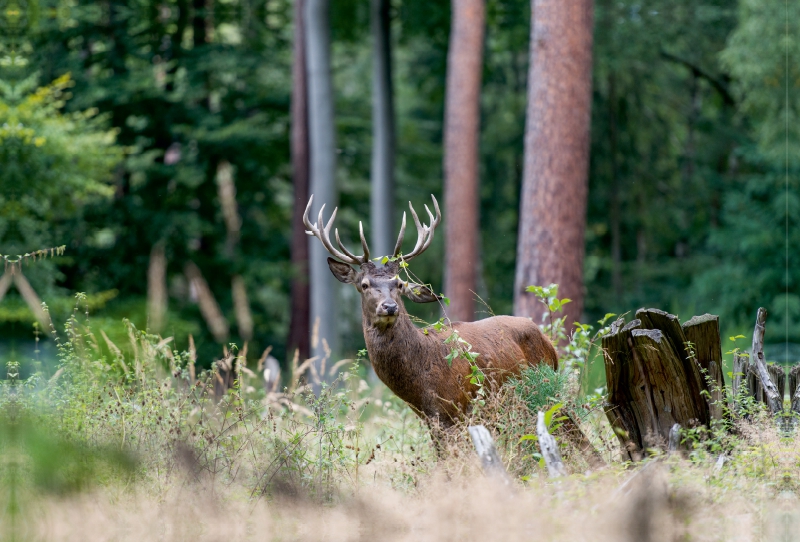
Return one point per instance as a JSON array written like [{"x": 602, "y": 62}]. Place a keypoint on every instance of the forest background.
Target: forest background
[{"x": 136, "y": 132}]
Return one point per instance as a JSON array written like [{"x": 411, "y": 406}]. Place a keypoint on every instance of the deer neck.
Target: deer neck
[{"x": 394, "y": 343}]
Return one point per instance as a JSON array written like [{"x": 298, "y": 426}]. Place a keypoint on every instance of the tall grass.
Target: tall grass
[{"x": 129, "y": 442}]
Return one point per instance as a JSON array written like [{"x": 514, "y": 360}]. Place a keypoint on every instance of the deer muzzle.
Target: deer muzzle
[{"x": 387, "y": 312}]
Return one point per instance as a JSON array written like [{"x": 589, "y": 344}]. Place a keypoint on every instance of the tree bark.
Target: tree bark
[
  {"x": 652, "y": 385},
  {"x": 31, "y": 299},
  {"x": 5, "y": 283},
  {"x": 703, "y": 333},
  {"x": 490, "y": 459},
  {"x": 241, "y": 308},
  {"x": 550, "y": 245},
  {"x": 209, "y": 308},
  {"x": 615, "y": 216},
  {"x": 226, "y": 192},
  {"x": 461, "y": 158},
  {"x": 323, "y": 170},
  {"x": 202, "y": 22},
  {"x": 549, "y": 449},
  {"x": 299, "y": 328},
  {"x": 383, "y": 136},
  {"x": 773, "y": 399},
  {"x": 157, "y": 288}
]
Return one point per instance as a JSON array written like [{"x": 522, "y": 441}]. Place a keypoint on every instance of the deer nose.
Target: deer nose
[{"x": 390, "y": 307}]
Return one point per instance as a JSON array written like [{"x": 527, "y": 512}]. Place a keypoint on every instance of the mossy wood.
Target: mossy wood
[{"x": 654, "y": 381}]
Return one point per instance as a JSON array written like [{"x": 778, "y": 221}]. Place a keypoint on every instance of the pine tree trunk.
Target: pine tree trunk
[
  {"x": 461, "y": 158},
  {"x": 382, "y": 195},
  {"x": 299, "y": 329},
  {"x": 550, "y": 245},
  {"x": 157, "y": 288},
  {"x": 323, "y": 170}
]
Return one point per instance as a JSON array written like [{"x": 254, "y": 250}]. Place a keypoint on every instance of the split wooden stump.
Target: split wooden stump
[{"x": 661, "y": 373}]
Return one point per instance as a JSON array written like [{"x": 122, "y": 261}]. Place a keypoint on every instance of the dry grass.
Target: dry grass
[
  {"x": 356, "y": 465},
  {"x": 666, "y": 502}
]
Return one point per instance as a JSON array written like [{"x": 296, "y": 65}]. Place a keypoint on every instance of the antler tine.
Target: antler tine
[
  {"x": 434, "y": 223},
  {"x": 424, "y": 233},
  {"x": 344, "y": 249},
  {"x": 421, "y": 232},
  {"x": 399, "y": 245},
  {"x": 364, "y": 246},
  {"x": 322, "y": 231},
  {"x": 310, "y": 228}
]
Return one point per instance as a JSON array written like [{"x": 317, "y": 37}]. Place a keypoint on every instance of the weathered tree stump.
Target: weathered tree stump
[
  {"x": 654, "y": 381},
  {"x": 703, "y": 334},
  {"x": 739, "y": 377},
  {"x": 624, "y": 400}
]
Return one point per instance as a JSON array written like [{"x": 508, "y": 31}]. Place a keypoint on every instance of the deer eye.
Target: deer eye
[{"x": 364, "y": 285}]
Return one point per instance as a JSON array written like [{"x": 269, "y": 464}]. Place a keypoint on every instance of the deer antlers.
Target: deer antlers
[{"x": 322, "y": 231}]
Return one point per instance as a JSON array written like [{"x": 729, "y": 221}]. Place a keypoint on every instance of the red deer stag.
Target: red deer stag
[{"x": 412, "y": 361}]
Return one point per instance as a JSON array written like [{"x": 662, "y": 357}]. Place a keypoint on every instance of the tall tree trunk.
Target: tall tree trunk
[
  {"x": 157, "y": 288},
  {"x": 31, "y": 299},
  {"x": 209, "y": 308},
  {"x": 550, "y": 245},
  {"x": 615, "y": 217},
  {"x": 299, "y": 328},
  {"x": 202, "y": 22},
  {"x": 226, "y": 193},
  {"x": 382, "y": 195},
  {"x": 323, "y": 170},
  {"x": 462, "y": 131}
]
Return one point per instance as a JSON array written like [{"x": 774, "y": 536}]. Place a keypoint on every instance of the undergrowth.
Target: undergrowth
[{"x": 139, "y": 417}]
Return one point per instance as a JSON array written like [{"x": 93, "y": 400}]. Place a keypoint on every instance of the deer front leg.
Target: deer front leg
[{"x": 440, "y": 421}]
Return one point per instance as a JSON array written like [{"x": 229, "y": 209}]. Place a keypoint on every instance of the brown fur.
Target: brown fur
[{"x": 411, "y": 361}]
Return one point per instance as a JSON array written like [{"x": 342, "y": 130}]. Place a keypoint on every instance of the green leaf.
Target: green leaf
[
  {"x": 548, "y": 416},
  {"x": 446, "y": 300},
  {"x": 605, "y": 318}
]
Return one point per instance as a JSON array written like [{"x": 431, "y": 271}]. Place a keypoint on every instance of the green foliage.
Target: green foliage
[
  {"x": 54, "y": 165},
  {"x": 761, "y": 58},
  {"x": 687, "y": 188},
  {"x": 542, "y": 387}
]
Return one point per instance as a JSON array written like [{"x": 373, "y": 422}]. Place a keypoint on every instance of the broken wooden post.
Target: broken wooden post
[
  {"x": 739, "y": 376},
  {"x": 654, "y": 381},
  {"x": 703, "y": 334},
  {"x": 773, "y": 399},
  {"x": 549, "y": 448},
  {"x": 674, "y": 439},
  {"x": 487, "y": 452},
  {"x": 621, "y": 395}
]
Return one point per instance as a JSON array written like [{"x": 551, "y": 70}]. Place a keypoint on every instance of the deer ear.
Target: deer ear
[
  {"x": 419, "y": 293},
  {"x": 342, "y": 271}
]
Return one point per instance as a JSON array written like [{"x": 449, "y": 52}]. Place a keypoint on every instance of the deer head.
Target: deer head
[{"x": 380, "y": 287}]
